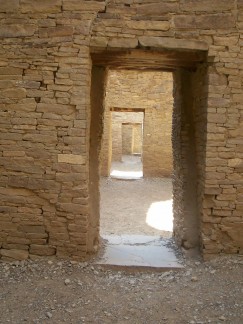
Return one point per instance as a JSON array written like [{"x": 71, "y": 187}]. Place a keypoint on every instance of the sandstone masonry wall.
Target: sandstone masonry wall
[{"x": 45, "y": 80}]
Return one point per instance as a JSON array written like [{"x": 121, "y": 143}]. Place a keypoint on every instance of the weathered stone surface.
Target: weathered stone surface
[
  {"x": 81, "y": 5},
  {"x": 149, "y": 25},
  {"x": 221, "y": 21},
  {"x": 33, "y": 229},
  {"x": 234, "y": 230},
  {"x": 59, "y": 31},
  {"x": 172, "y": 43},
  {"x": 14, "y": 192},
  {"x": 235, "y": 163},
  {"x": 123, "y": 42},
  {"x": 13, "y": 93},
  {"x": 157, "y": 9},
  {"x": 31, "y": 6},
  {"x": 71, "y": 158},
  {"x": 206, "y": 5},
  {"x": 17, "y": 30},
  {"x": 99, "y": 41},
  {"x": 10, "y": 71},
  {"x": 42, "y": 250},
  {"x": 9, "y": 5},
  {"x": 72, "y": 208},
  {"x": 14, "y": 254},
  {"x": 55, "y": 108}
]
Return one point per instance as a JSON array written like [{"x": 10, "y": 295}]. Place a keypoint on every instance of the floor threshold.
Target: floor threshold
[{"x": 138, "y": 252}]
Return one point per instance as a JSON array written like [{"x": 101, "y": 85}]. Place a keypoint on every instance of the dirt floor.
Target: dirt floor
[
  {"x": 136, "y": 206},
  {"x": 64, "y": 292}
]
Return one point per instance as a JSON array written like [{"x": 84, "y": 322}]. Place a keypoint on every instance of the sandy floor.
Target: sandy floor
[
  {"x": 130, "y": 167},
  {"x": 136, "y": 206}
]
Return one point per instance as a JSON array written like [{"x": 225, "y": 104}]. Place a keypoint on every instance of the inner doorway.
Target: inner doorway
[
  {"x": 139, "y": 143},
  {"x": 126, "y": 143}
]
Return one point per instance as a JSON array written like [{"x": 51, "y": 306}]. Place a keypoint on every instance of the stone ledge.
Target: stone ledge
[
  {"x": 172, "y": 43},
  {"x": 123, "y": 42}
]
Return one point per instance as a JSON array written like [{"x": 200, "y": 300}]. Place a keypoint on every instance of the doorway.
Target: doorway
[
  {"x": 188, "y": 142},
  {"x": 126, "y": 143}
]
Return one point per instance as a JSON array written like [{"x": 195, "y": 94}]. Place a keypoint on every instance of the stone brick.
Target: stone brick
[
  {"x": 59, "y": 31},
  {"x": 73, "y": 208},
  {"x": 35, "y": 229},
  {"x": 14, "y": 254},
  {"x": 55, "y": 108},
  {"x": 99, "y": 41},
  {"x": 157, "y": 9},
  {"x": 17, "y": 30},
  {"x": 9, "y": 5},
  {"x": 13, "y": 93},
  {"x": 220, "y": 21},
  {"x": 206, "y": 5},
  {"x": 234, "y": 230},
  {"x": 81, "y": 5},
  {"x": 71, "y": 159},
  {"x": 42, "y": 250},
  {"x": 235, "y": 163},
  {"x": 148, "y": 25},
  {"x": 45, "y": 6}
]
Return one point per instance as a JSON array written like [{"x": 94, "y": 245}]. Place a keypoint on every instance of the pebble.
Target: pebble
[
  {"x": 67, "y": 281},
  {"x": 49, "y": 315},
  {"x": 222, "y": 318}
]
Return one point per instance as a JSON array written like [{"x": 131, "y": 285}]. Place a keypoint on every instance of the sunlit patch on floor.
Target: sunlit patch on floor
[
  {"x": 160, "y": 215},
  {"x": 126, "y": 174}
]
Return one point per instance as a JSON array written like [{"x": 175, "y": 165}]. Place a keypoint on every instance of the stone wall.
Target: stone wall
[
  {"x": 48, "y": 183},
  {"x": 151, "y": 92}
]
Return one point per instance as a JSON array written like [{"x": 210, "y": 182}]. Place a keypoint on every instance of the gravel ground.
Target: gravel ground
[{"x": 69, "y": 292}]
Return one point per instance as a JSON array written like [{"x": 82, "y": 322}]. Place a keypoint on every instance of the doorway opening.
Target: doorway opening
[
  {"x": 140, "y": 143},
  {"x": 126, "y": 143},
  {"x": 188, "y": 120}
]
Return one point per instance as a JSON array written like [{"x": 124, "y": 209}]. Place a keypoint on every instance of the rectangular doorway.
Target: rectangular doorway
[
  {"x": 126, "y": 143},
  {"x": 189, "y": 121},
  {"x": 136, "y": 195}
]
